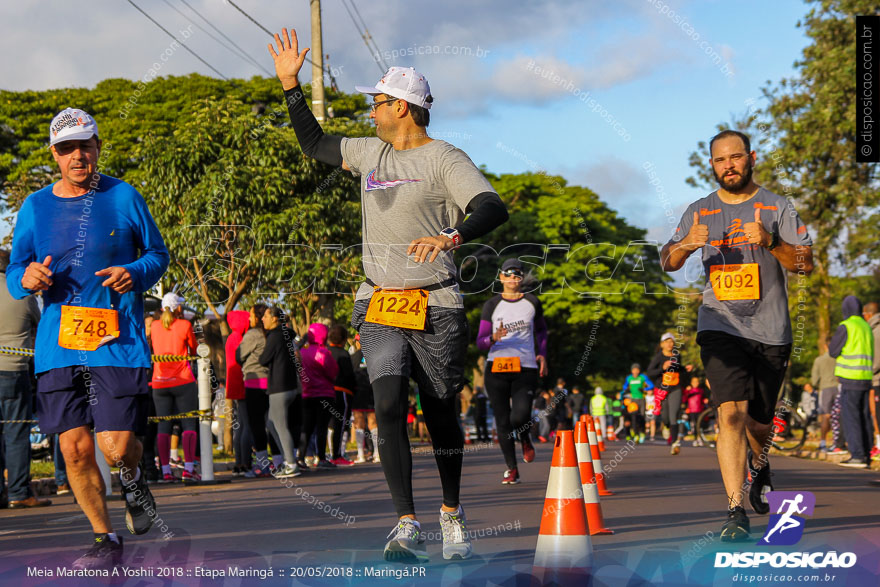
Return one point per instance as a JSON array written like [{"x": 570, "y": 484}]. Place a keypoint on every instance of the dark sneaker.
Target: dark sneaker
[
  {"x": 737, "y": 527},
  {"x": 456, "y": 544},
  {"x": 528, "y": 450},
  {"x": 406, "y": 544},
  {"x": 511, "y": 477},
  {"x": 324, "y": 464},
  {"x": 761, "y": 484},
  {"x": 855, "y": 463},
  {"x": 104, "y": 554},
  {"x": 140, "y": 506}
]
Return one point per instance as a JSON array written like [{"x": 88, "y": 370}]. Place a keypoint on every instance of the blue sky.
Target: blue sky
[{"x": 643, "y": 66}]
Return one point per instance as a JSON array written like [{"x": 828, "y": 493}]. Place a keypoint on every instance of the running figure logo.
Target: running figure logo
[{"x": 786, "y": 526}]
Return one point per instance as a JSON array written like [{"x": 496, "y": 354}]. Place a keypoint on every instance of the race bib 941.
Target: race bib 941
[
  {"x": 406, "y": 308},
  {"x": 506, "y": 365},
  {"x": 736, "y": 282},
  {"x": 86, "y": 329}
]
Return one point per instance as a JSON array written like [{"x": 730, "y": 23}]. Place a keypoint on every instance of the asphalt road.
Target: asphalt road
[{"x": 666, "y": 515}]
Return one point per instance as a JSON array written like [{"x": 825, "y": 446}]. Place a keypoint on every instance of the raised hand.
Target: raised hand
[
  {"x": 697, "y": 236},
  {"x": 288, "y": 59},
  {"x": 118, "y": 279},
  {"x": 755, "y": 231}
]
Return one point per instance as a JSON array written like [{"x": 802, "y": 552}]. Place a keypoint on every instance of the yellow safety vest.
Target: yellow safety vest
[{"x": 856, "y": 357}]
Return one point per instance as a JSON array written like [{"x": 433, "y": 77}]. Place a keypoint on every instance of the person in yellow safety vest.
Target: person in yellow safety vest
[
  {"x": 853, "y": 347},
  {"x": 599, "y": 407}
]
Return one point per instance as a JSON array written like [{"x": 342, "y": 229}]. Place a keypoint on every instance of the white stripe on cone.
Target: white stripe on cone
[
  {"x": 597, "y": 462},
  {"x": 564, "y": 552},
  {"x": 591, "y": 492},
  {"x": 564, "y": 483}
]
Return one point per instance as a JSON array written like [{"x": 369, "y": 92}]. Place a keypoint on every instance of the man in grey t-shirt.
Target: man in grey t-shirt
[
  {"x": 415, "y": 193},
  {"x": 749, "y": 237}
]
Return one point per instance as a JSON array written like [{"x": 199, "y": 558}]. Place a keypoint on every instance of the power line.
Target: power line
[
  {"x": 223, "y": 34},
  {"x": 196, "y": 55},
  {"x": 367, "y": 43},
  {"x": 369, "y": 36},
  {"x": 240, "y": 53}
]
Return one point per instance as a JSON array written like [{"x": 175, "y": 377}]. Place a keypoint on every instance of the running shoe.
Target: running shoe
[
  {"x": 761, "y": 484},
  {"x": 360, "y": 460},
  {"x": 542, "y": 439},
  {"x": 168, "y": 478},
  {"x": 258, "y": 473},
  {"x": 641, "y": 437},
  {"x": 140, "y": 506},
  {"x": 511, "y": 477},
  {"x": 192, "y": 477},
  {"x": 855, "y": 463},
  {"x": 324, "y": 464},
  {"x": 736, "y": 528},
  {"x": 342, "y": 462},
  {"x": 528, "y": 450},
  {"x": 838, "y": 451},
  {"x": 676, "y": 448},
  {"x": 287, "y": 471},
  {"x": 176, "y": 463},
  {"x": 63, "y": 489},
  {"x": 104, "y": 554},
  {"x": 376, "y": 458},
  {"x": 406, "y": 544},
  {"x": 456, "y": 544}
]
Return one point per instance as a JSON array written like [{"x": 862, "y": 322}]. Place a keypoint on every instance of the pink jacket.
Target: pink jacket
[
  {"x": 694, "y": 398},
  {"x": 319, "y": 367}
]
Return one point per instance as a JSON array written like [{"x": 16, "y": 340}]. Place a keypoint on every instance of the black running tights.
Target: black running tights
[
  {"x": 391, "y": 395},
  {"x": 517, "y": 389}
]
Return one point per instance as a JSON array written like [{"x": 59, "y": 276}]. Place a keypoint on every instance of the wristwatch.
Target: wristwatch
[
  {"x": 451, "y": 233},
  {"x": 774, "y": 241}
]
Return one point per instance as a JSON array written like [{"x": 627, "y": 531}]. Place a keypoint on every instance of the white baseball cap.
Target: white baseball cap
[
  {"x": 404, "y": 83},
  {"x": 667, "y": 335},
  {"x": 171, "y": 301},
  {"x": 72, "y": 124}
]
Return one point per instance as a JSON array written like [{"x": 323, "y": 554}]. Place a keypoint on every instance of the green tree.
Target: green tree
[{"x": 599, "y": 281}]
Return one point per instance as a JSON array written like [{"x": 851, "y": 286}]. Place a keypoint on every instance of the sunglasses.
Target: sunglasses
[
  {"x": 375, "y": 105},
  {"x": 512, "y": 273}
]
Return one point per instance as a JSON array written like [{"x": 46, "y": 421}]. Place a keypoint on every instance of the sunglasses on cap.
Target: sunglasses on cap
[{"x": 512, "y": 273}]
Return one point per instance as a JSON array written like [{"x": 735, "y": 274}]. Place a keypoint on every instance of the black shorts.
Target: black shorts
[
  {"x": 434, "y": 357},
  {"x": 739, "y": 369}
]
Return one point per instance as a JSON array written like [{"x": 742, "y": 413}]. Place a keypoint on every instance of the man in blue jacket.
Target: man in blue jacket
[
  {"x": 853, "y": 347},
  {"x": 90, "y": 247}
]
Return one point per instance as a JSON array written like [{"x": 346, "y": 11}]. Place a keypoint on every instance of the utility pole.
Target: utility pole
[{"x": 317, "y": 54}]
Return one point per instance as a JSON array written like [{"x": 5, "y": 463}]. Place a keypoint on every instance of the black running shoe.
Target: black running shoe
[
  {"x": 737, "y": 527},
  {"x": 104, "y": 554},
  {"x": 761, "y": 484},
  {"x": 140, "y": 506}
]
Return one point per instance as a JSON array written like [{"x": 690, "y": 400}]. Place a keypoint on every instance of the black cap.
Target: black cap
[{"x": 512, "y": 263}]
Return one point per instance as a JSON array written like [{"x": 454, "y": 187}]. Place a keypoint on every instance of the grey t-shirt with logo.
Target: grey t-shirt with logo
[
  {"x": 406, "y": 195},
  {"x": 765, "y": 319}
]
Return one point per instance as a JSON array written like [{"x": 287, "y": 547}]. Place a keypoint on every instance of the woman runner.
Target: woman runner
[{"x": 511, "y": 324}]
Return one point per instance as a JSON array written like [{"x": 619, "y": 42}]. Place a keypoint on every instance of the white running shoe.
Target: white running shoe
[
  {"x": 406, "y": 544},
  {"x": 456, "y": 544}
]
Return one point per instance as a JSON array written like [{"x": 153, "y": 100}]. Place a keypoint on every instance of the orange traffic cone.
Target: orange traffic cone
[
  {"x": 597, "y": 460},
  {"x": 564, "y": 553},
  {"x": 467, "y": 436},
  {"x": 588, "y": 481},
  {"x": 600, "y": 438}
]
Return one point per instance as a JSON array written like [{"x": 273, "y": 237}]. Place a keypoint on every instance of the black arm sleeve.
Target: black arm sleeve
[
  {"x": 311, "y": 137},
  {"x": 655, "y": 368},
  {"x": 487, "y": 212}
]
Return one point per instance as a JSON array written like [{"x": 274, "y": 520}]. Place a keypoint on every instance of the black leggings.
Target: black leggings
[
  {"x": 257, "y": 401},
  {"x": 315, "y": 419},
  {"x": 177, "y": 400},
  {"x": 391, "y": 396},
  {"x": 672, "y": 412},
  {"x": 505, "y": 389},
  {"x": 340, "y": 422}
]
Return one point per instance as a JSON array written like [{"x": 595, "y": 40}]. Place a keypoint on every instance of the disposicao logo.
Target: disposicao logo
[{"x": 786, "y": 527}]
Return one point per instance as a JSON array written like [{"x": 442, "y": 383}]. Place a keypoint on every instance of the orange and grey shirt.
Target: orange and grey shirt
[{"x": 746, "y": 287}]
